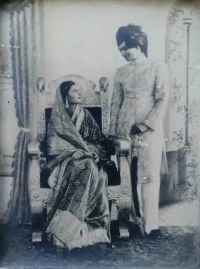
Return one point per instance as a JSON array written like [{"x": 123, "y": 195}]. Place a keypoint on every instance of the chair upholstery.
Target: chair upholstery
[{"x": 119, "y": 189}]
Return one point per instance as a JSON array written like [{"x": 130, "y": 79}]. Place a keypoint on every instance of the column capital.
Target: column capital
[
  {"x": 6, "y": 165},
  {"x": 16, "y": 5}
]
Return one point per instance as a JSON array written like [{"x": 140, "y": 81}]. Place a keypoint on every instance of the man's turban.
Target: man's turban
[{"x": 133, "y": 37}]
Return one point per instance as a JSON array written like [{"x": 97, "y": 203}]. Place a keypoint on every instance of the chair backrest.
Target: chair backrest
[{"x": 95, "y": 100}]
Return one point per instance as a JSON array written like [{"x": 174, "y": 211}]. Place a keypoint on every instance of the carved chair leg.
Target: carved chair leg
[
  {"x": 38, "y": 227},
  {"x": 124, "y": 226},
  {"x": 125, "y": 189},
  {"x": 114, "y": 209},
  {"x": 36, "y": 204},
  {"x": 124, "y": 216},
  {"x": 114, "y": 219},
  {"x": 36, "y": 237}
]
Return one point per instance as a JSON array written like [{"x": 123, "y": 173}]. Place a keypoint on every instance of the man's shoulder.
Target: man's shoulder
[
  {"x": 157, "y": 63},
  {"x": 151, "y": 63},
  {"x": 123, "y": 68}
]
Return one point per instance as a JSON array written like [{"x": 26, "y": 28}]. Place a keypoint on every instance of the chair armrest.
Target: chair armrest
[
  {"x": 122, "y": 145},
  {"x": 34, "y": 148},
  {"x": 35, "y": 152}
]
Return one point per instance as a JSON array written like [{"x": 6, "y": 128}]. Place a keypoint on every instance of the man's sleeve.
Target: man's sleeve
[
  {"x": 156, "y": 115},
  {"x": 117, "y": 99}
]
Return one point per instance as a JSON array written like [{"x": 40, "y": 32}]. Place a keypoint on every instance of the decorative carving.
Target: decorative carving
[
  {"x": 124, "y": 215},
  {"x": 125, "y": 191},
  {"x": 103, "y": 84},
  {"x": 91, "y": 98},
  {"x": 182, "y": 49},
  {"x": 5, "y": 64},
  {"x": 34, "y": 180},
  {"x": 41, "y": 84},
  {"x": 50, "y": 98},
  {"x": 6, "y": 165},
  {"x": 175, "y": 14},
  {"x": 124, "y": 171},
  {"x": 36, "y": 201},
  {"x": 114, "y": 212},
  {"x": 47, "y": 195},
  {"x": 113, "y": 191},
  {"x": 36, "y": 195},
  {"x": 16, "y": 5},
  {"x": 41, "y": 109}
]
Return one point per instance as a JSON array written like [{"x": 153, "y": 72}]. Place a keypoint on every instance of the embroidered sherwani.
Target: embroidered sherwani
[{"x": 140, "y": 95}]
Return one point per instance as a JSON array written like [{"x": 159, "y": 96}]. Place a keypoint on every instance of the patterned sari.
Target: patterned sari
[{"x": 79, "y": 215}]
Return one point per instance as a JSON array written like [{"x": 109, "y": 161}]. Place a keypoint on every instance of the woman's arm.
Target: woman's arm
[
  {"x": 95, "y": 139},
  {"x": 117, "y": 99}
]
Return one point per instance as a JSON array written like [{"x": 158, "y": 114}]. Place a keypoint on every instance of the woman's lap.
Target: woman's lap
[{"x": 82, "y": 192}]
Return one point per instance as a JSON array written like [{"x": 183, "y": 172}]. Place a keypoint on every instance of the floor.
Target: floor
[
  {"x": 183, "y": 214},
  {"x": 178, "y": 248}
]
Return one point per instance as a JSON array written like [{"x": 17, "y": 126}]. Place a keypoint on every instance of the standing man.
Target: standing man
[{"x": 139, "y": 102}]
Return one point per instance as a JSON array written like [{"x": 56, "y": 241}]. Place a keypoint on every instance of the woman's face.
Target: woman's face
[
  {"x": 74, "y": 95},
  {"x": 129, "y": 54}
]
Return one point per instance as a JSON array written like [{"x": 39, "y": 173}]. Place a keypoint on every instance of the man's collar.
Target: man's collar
[{"x": 142, "y": 58}]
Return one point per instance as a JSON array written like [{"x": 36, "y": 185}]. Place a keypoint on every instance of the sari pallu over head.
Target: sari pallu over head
[{"x": 63, "y": 137}]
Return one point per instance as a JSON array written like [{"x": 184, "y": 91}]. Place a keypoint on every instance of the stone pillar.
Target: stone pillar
[
  {"x": 8, "y": 121},
  {"x": 8, "y": 125}
]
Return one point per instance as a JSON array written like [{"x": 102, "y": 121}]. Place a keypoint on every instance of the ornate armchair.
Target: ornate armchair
[{"x": 119, "y": 190}]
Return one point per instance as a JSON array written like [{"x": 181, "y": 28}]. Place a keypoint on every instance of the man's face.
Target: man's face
[{"x": 129, "y": 54}]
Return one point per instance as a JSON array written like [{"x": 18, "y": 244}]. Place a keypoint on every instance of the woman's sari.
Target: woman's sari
[{"x": 79, "y": 215}]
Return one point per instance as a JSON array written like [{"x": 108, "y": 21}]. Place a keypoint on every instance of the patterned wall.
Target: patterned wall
[
  {"x": 176, "y": 57},
  {"x": 183, "y": 58}
]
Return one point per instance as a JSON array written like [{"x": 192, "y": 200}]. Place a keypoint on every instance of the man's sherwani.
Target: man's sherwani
[{"x": 140, "y": 95}]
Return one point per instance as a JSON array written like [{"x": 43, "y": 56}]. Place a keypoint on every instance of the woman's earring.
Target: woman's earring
[{"x": 66, "y": 103}]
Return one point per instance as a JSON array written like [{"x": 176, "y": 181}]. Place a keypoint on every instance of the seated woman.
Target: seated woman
[{"x": 79, "y": 215}]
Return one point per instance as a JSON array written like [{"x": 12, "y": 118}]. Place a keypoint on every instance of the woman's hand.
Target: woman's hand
[
  {"x": 77, "y": 154},
  {"x": 95, "y": 157},
  {"x": 52, "y": 182}
]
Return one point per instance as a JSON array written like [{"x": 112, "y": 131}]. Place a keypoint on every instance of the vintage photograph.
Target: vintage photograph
[{"x": 99, "y": 133}]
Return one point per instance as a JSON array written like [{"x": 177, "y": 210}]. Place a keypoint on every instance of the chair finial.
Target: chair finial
[
  {"x": 104, "y": 83},
  {"x": 41, "y": 84}
]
